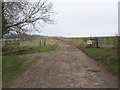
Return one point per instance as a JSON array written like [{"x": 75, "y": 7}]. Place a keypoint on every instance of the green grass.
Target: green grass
[
  {"x": 80, "y": 38},
  {"x": 13, "y": 66},
  {"x": 40, "y": 49},
  {"x": 107, "y": 56}
]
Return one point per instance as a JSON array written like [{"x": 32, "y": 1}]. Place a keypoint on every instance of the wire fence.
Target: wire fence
[{"x": 108, "y": 42}]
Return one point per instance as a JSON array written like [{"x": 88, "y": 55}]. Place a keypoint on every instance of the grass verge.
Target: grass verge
[
  {"x": 14, "y": 65},
  {"x": 40, "y": 49},
  {"x": 107, "y": 56}
]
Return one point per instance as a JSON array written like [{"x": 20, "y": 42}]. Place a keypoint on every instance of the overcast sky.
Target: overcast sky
[{"x": 83, "y": 18}]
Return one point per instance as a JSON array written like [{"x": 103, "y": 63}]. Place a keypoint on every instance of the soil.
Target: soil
[{"x": 65, "y": 67}]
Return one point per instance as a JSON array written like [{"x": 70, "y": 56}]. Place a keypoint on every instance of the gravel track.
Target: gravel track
[{"x": 65, "y": 67}]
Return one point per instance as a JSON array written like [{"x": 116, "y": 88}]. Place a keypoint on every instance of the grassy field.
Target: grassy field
[
  {"x": 91, "y": 37},
  {"x": 80, "y": 38},
  {"x": 108, "y": 57},
  {"x": 14, "y": 63}
]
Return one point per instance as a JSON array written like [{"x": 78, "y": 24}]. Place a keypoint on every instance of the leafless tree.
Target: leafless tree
[{"x": 19, "y": 15}]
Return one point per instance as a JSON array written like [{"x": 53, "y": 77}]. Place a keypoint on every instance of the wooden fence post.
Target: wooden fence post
[
  {"x": 45, "y": 43},
  {"x": 97, "y": 43}
]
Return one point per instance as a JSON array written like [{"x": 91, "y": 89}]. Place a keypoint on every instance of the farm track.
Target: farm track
[{"x": 65, "y": 67}]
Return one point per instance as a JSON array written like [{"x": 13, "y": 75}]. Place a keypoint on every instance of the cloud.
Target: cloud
[
  {"x": 83, "y": 19},
  {"x": 86, "y": 1}
]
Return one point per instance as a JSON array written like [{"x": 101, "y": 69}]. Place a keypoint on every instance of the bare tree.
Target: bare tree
[{"x": 18, "y": 15}]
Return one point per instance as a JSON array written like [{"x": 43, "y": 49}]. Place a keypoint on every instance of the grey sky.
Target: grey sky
[{"x": 84, "y": 18}]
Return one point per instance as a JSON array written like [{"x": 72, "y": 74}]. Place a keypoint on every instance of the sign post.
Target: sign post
[{"x": 89, "y": 43}]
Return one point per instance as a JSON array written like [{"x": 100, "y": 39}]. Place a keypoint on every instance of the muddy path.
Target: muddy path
[{"x": 65, "y": 67}]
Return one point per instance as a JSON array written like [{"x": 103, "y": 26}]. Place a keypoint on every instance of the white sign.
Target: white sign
[{"x": 89, "y": 42}]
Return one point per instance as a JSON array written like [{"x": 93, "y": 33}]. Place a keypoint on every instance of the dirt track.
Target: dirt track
[{"x": 65, "y": 67}]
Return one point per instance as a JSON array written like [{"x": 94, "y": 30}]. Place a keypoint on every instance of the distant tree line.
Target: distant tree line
[{"x": 15, "y": 36}]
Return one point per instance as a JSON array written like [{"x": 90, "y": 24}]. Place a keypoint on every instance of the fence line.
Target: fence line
[
  {"x": 24, "y": 43},
  {"x": 108, "y": 42}
]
